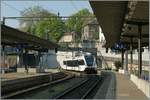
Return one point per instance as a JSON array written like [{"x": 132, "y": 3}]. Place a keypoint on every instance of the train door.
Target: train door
[{"x": 81, "y": 65}]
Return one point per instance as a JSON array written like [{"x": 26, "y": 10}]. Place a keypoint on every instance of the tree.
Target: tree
[
  {"x": 28, "y": 25},
  {"x": 50, "y": 28},
  {"x": 96, "y": 35},
  {"x": 118, "y": 65},
  {"x": 75, "y": 23}
]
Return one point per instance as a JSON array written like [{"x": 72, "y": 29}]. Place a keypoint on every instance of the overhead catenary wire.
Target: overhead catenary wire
[
  {"x": 12, "y": 7},
  {"x": 75, "y": 7},
  {"x": 44, "y": 18}
]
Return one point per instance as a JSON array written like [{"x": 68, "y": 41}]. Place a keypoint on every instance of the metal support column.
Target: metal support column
[
  {"x": 126, "y": 62},
  {"x": 4, "y": 20},
  {"x": 42, "y": 62},
  {"x": 3, "y": 54},
  {"x": 26, "y": 61},
  {"x": 16, "y": 61},
  {"x": 39, "y": 62},
  {"x": 122, "y": 56},
  {"x": 21, "y": 58},
  {"x": 131, "y": 54},
  {"x": 139, "y": 24},
  {"x": 139, "y": 51}
]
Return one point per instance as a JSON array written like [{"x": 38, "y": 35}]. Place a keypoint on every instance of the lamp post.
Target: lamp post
[{"x": 47, "y": 35}]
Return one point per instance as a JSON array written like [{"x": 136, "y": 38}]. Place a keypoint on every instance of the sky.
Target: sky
[{"x": 65, "y": 8}]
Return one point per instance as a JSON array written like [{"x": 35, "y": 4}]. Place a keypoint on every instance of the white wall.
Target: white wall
[
  {"x": 141, "y": 84},
  {"x": 101, "y": 35},
  {"x": 66, "y": 38}
]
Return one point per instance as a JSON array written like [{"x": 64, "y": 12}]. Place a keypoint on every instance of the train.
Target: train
[{"x": 83, "y": 62}]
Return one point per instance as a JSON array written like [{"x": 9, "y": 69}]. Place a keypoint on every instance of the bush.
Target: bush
[
  {"x": 118, "y": 65},
  {"x": 108, "y": 68}
]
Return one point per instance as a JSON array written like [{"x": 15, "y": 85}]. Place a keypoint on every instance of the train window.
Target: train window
[
  {"x": 72, "y": 63},
  {"x": 81, "y": 62},
  {"x": 69, "y": 63},
  {"x": 75, "y": 63}
]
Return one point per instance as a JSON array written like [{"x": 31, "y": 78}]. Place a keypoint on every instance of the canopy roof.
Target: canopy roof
[
  {"x": 120, "y": 19},
  {"x": 14, "y": 37}
]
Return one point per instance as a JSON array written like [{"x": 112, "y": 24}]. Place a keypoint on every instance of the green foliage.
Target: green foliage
[
  {"x": 27, "y": 25},
  {"x": 108, "y": 68},
  {"x": 75, "y": 23},
  {"x": 54, "y": 28},
  {"x": 117, "y": 64},
  {"x": 96, "y": 35},
  {"x": 51, "y": 29},
  {"x": 64, "y": 45}
]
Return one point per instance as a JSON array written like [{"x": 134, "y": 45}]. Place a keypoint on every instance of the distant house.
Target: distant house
[
  {"x": 90, "y": 28},
  {"x": 68, "y": 37}
]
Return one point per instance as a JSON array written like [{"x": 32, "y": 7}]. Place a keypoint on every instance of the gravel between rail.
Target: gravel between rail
[
  {"x": 49, "y": 91},
  {"x": 80, "y": 90}
]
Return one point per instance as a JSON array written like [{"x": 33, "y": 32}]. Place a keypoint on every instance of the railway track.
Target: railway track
[
  {"x": 51, "y": 90},
  {"x": 80, "y": 90},
  {"x": 77, "y": 87},
  {"x": 36, "y": 87}
]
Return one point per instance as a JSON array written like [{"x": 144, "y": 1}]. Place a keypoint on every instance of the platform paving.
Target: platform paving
[
  {"x": 119, "y": 87},
  {"x": 12, "y": 76},
  {"x": 107, "y": 88},
  {"x": 127, "y": 90}
]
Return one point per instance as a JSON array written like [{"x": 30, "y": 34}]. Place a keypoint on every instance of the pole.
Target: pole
[
  {"x": 3, "y": 49},
  {"x": 16, "y": 60},
  {"x": 122, "y": 56},
  {"x": 39, "y": 61},
  {"x": 21, "y": 58},
  {"x": 139, "y": 51},
  {"x": 26, "y": 61},
  {"x": 131, "y": 54},
  {"x": 4, "y": 20},
  {"x": 126, "y": 62}
]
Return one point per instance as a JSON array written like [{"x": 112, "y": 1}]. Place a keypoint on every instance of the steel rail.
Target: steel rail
[
  {"x": 93, "y": 85},
  {"x": 89, "y": 90},
  {"x": 37, "y": 87},
  {"x": 71, "y": 89}
]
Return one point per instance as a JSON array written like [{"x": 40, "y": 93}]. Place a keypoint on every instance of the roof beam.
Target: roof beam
[
  {"x": 137, "y": 22},
  {"x": 135, "y": 36},
  {"x": 11, "y": 35}
]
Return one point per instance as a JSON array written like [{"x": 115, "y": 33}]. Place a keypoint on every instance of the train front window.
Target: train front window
[{"x": 89, "y": 60}]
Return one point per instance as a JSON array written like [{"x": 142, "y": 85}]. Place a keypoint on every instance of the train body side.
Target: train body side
[{"x": 77, "y": 63}]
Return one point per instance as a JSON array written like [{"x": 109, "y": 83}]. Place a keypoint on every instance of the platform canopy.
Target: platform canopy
[
  {"x": 16, "y": 38},
  {"x": 120, "y": 20}
]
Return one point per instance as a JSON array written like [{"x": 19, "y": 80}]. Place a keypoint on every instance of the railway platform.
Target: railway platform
[
  {"x": 119, "y": 86},
  {"x": 126, "y": 89},
  {"x": 13, "y": 76}
]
